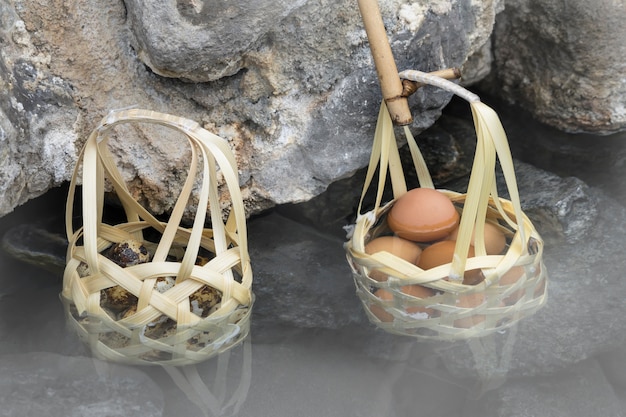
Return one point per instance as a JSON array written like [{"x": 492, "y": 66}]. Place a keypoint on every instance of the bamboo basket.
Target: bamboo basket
[
  {"x": 182, "y": 294},
  {"x": 456, "y": 311}
]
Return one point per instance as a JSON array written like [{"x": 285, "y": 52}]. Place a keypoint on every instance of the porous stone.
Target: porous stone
[
  {"x": 564, "y": 64},
  {"x": 290, "y": 85}
]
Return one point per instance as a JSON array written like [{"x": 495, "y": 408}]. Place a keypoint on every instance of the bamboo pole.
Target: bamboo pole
[{"x": 390, "y": 82}]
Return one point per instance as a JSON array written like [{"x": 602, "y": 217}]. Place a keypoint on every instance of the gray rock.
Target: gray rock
[
  {"x": 216, "y": 39},
  {"x": 290, "y": 85},
  {"x": 597, "y": 160},
  {"x": 564, "y": 64},
  {"x": 46, "y": 384},
  {"x": 564, "y": 210},
  {"x": 448, "y": 148},
  {"x": 37, "y": 246}
]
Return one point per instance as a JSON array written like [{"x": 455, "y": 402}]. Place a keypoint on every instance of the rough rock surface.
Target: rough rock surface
[
  {"x": 564, "y": 62},
  {"x": 290, "y": 85}
]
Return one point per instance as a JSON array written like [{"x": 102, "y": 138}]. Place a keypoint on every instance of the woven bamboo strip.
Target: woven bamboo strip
[
  {"x": 160, "y": 326},
  {"x": 501, "y": 303}
]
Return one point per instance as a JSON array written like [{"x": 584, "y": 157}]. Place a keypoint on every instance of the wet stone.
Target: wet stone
[
  {"x": 301, "y": 277},
  {"x": 51, "y": 385},
  {"x": 35, "y": 245}
]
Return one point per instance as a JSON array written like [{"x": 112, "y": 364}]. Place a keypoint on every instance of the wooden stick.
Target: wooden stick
[{"x": 390, "y": 82}]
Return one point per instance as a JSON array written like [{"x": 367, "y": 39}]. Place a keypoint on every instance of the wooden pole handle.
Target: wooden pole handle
[{"x": 390, "y": 82}]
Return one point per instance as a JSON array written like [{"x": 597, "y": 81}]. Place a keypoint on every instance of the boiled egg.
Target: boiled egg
[
  {"x": 415, "y": 290},
  {"x": 495, "y": 241},
  {"x": 441, "y": 253},
  {"x": 402, "y": 248},
  {"x": 423, "y": 215}
]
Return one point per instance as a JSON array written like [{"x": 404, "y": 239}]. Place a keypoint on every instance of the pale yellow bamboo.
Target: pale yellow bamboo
[
  {"x": 515, "y": 281},
  {"x": 447, "y": 74},
  {"x": 390, "y": 82},
  {"x": 195, "y": 336}
]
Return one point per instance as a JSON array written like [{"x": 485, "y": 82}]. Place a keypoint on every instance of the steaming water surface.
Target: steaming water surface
[
  {"x": 275, "y": 372},
  {"x": 286, "y": 371}
]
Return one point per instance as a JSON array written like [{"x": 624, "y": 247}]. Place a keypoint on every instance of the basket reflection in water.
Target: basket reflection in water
[
  {"x": 472, "y": 290},
  {"x": 146, "y": 291}
]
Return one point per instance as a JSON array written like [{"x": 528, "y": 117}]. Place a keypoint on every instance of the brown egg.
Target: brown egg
[
  {"x": 509, "y": 278},
  {"x": 541, "y": 285},
  {"x": 423, "y": 215},
  {"x": 379, "y": 311},
  {"x": 441, "y": 253},
  {"x": 495, "y": 240},
  {"x": 470, "y": 301},
  {"x": 419, "y": 291},
  {"x": 402, "y": 248},
  {"x": 415, "y": 290}
]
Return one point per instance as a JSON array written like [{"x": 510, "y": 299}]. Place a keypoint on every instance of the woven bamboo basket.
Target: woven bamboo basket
[
  {"x": 146, "y": 291},
  {"x": 513, "y": 284}
]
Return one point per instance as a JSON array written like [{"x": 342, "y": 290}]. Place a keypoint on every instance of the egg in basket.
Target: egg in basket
[{"x": 438, "y": 264}]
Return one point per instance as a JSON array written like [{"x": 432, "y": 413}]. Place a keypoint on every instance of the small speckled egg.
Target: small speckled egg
[
  {"x": 441, "y": 253},
  {"x": 402, "y": 248},
  {"x": 163, "y": 284},
  {"x": 128, "y": 253},
  {"x": 495, "y": 241},
  {"x": 203, "y": 300},
  {"x": 116, "y": 299},
  {"x": 423, "y": 215}
]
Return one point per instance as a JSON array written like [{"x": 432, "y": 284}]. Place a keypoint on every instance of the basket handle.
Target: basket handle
[
  {"x": 215, "y": 152},
  {"x": 385, "y": 147},
  {"x": 491, "y": 143}
]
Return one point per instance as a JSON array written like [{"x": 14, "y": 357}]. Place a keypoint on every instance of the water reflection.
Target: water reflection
[
  {"x": 277, "y": 371},
  {"x": 357, "y": 370},
  {"x": 227, "y": 392}
]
